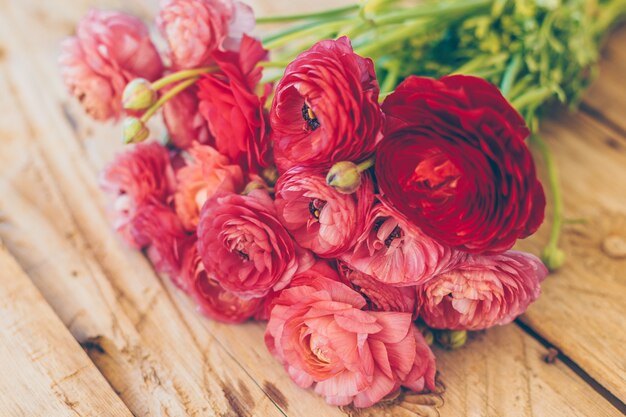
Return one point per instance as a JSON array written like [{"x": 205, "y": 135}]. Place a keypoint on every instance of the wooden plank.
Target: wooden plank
[
  {"x": 582, "y": 310},
  {"x": 607, "y": 95},
  {"x": 44, "y": 371},
  {"x": 67, "y": 142}
]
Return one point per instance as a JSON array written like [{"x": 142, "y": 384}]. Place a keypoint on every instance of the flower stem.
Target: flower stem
[
  {"x": 166, "y": 97},
  {"x": 319, "y": 29},
  {"x": 365, "y": 165},
  {"x": 181, "y": 75},
  {"x": 552, "y": 256},
  {"x": 533, "y": 97},
  {"x": 340, "y": 11}
]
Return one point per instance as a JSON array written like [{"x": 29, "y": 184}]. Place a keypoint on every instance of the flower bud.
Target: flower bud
[
  {"x": 134, "y": 130},
  {"x": 553, "y": 258},
  {"x": 344, "y": 177},
  {"x": 452, "y": 339},
  {"x": 429, "y": 338},
  {"x": 138, "y": 95}
]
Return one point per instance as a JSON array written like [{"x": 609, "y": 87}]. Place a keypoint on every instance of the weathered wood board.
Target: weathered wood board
[{"x": 162, "y": 358}]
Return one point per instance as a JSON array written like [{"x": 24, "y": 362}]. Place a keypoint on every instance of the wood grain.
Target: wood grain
[
  {"x": 162, "y": 356},
  {"x": 44, "y": 372}
]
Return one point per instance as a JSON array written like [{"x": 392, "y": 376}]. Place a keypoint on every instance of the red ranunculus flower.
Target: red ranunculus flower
[
  {"x": 184, "y": 122},
  {"x": 234, "y": 112},
  {"x": 326, "y": 108},
  {"x": 142, "y": 175},
  {"x": 244, "y": 246},
  {"x": 484, "y": 291},
  {"x": 318, "y": 217},
  {"x": 453, "y": 160},
  {"x": 322, "y": 336},
  {"x": 109, "y": 50},
  {"x": 213, "y": 300},
  {"x": 396, "y": 252}
]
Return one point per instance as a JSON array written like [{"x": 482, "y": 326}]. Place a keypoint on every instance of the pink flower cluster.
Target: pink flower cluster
[{"x": 340, "y": 278}]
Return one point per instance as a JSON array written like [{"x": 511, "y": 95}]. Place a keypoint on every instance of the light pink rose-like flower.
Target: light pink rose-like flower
[
  {"x": 213, "y": 301},
  {"x": 395, "y": 252},
  {"x": 185, "y": 124},
  {"x": 244, "y": 246},
  {"x": 483, "y": 291},
  {"x": 380, "y": 296},
  {"x": 319, "y": 217},
  {"x": 143, "y": 175},
  {"x": 109, "y": 50},
  {"x": 324, "y": 339},
  {"x": 160, "y": 229},
  {"x": 194, "y": 29},
  {"x": 207, "y": 172}
]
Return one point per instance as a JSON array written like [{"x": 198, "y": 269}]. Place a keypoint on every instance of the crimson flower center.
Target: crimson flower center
[
  {"x": 435, "y": 173},
  {"x": 309, "y": 117}
]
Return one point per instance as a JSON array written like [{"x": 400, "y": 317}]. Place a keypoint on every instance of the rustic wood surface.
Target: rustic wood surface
[{"x": 160, "y": 357}]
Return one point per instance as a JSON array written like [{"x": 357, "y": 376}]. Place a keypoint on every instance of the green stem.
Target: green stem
[
  {"x": 510, "y": 74},
  {"x": 439, "y": 8},
  {"x": 181, "y": 75},
  {"x": 552, "y": 255},
  {"x": 321, "y": 30},
  {"x": 340, "y": 11},
  {"x": 393, "y": 37},
  {"x": 533, "y": 97},
  {"x": 166, "y": 97},
  {"x": 393, "y": 71},
  {"x": 365, "y": 165}
]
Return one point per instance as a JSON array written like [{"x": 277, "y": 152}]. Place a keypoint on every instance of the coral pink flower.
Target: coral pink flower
[
  {"x": 323, "y": 338},
  {"x": 140, "y": 176},
  {"x": 194, "y": 29},
  {"x": 206, "y": 173},
  {"x": 483, "y": 291},
  {"x": 234, "y": 112},
  {"x": 380, "y": 296},
  {"x": 159, "y": 227},
  {"x": 318, "y": 217},
  {"x": 109, "y": 50},
  {"x": 185, "y": 124},
  {"x": 243, "y": 245},
  {"x": 395, "y": 252},
  {"x": 326, "y": 108},
  {"x": 213, "y": 300}
]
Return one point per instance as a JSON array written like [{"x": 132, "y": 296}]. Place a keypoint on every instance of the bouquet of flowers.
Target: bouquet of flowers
[{"x": 295, "y": 192}]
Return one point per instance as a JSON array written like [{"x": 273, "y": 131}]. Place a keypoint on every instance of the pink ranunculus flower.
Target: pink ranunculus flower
[
  {"x": 194, "y": 29},
  {"x": 483, "y": 291},
  {"x": 213, "y": 300},
  {"x": 324, "y": 339},
  {"x": 395, "y": 252},
  {"x": 109, "y": 50},
  {"x": 207, "y": 172},
  {"x": 319, "y": 217},
  {"x": 185, "y": 124},
  {"x": 380, "y": 296},
  {"x": 140, "y": 176},
  {"x": 158, "y": 226},
  {"x": 244, "y": 246}
]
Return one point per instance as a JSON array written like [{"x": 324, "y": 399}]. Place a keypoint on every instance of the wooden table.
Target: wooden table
[{"x": 87, "y": 328}]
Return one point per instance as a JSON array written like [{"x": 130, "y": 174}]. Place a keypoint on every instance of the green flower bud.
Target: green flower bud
[
  {"x": 452, "y": 339},
  {"x": 138, "y": 95},
  {"x": 344, "y": 177},
  {"x": 553, "y": 258},
  {"x": 134, "y": 130}
]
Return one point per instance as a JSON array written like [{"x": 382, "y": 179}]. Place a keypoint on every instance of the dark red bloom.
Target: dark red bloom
[
  {"x": 326, "y": 108},
  {"x": 235, "y": 114},
  {"x": 453, "y": 160}
]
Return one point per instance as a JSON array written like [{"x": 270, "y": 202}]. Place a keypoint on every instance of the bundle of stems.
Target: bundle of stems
[{"x": 537, "y": 51}]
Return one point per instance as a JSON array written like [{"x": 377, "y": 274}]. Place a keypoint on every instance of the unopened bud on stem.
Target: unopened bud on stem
[
  {"x": 344, "y": 177},
  {"x": 138, "y": 95},
  {"x": 134, "y": 130}
]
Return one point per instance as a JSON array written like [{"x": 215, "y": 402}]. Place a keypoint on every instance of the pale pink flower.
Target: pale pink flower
[
  {"x": 243, "y": 245},
  {"x": 213, "y": 300},
  {"x": 324, "y": 339},
  {"x": 380, "y": 296},
  {"x": 142, "y": 175},
  {"x": 206, "y": 172},
  {"x": 194, "y": 29},
  {"x": 185, "y": 124},
  {"x": 483, "y": 291},
  {"x": 319, "y": 217},
  {"x": 109, "y": 50},
  {"x": 395, "y": 252}
]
